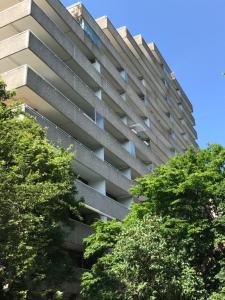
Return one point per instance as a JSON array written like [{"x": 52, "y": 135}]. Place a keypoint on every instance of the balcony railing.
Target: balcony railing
[{"x": 73, "y": 140}]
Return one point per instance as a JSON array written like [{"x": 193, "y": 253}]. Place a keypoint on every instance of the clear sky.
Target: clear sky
[{"x": 191, "y": 36}]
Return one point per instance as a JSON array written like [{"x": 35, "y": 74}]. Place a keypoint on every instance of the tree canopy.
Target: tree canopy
[
  {"x": 171, "y": 246},
  {"x": 37, "y": 196}
]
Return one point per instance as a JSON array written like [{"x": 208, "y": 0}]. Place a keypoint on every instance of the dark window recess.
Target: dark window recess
[
  {"x": 73, "y": 297},
  {"x": 179, "y": 92},
  {"x": 78, "y": 261},
  {"x": 92, "y": 60},
  {"x": 166, "y": 72},
  {"x": 165, "y": 82},
  {"x": 168, "y": 114},
  {"x": 142, "y": 97},
  {"x": 167, "y": 98},
  {"x": 111, "y": 196},
  {"x": 82, "y": 179},
  {"x": 90, "y": 218}
]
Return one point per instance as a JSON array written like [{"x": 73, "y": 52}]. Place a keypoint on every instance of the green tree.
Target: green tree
[
  {"x": 142, "y": 266},
  {"x": 189, "y": 193},
  {"x": 183, "y": 218},
  {"x": 99, "y": 284},
  {"x": 37, "y": 196}
]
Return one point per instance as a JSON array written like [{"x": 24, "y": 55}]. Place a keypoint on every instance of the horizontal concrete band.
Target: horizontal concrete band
[
  {"x": 93, "y": 199},
  {"x": 58, "y": 41},
  {"x": 107, "y": 64},
  {"x": 104, "y": 204},
  {"x": 127, "y": 44},
  {"x": 74, "y": 27},
  {"x": 100, "y": 169},
  {"x": 67, "y": 81},
  {"x": 80, "y": 9},
  {"x": 101, "y": 203},
  {"x": 131, "y": 48},
  {"x": 70, "y": 114}
]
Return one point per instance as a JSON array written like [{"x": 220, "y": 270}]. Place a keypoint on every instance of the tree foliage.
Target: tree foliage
[
  {"x": 37, "y": 196},
  {"x": 142, "y": 266},
  {"x": 172, "y": 246}
]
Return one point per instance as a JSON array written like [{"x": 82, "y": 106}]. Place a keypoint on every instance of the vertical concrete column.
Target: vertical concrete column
[
  {"x": 143, "y": 82},
  {"x": 147, "y": 122},
  {"x": 172, "y": 134},
  {"x": 98, "y": 118},
  {"x": 182, "y": 121},
  {"x": 165, "y": 83},
  {"x": 97, "y": 66},
  {"x": 123, "y": 95},
  {"x": 126, "y": 172},
  {"x": 146, "y": 99},
  {"x": 124, "y": 75},
  {"x": 181, "y": 107},
  {"x": 124, "y": 120},
  {"x": 173, "y": 151},
  {"x": 126, "y": 201},
  {"x": 149, "y": 166},
  {"x": 130, "y": 147},
  {"x": 98, "y": 94},
  {"x": 167, "y": 98},
  {"x": 184, "y": 136},
  {"x": 103, "y": 218},
  {"x": 99, "y": 186},
  {"x": 100, "y": 153}
]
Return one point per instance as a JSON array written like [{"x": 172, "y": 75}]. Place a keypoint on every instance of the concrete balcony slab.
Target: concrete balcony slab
[
  {"x": 29, "y": 49},
  {"x": 86, "y": 163},
  {"x": 26, "y": 15},
  {"x": 41, "y": 95}
]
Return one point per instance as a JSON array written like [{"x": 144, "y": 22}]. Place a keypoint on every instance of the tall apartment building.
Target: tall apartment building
[{"x": 108, "y": 93}]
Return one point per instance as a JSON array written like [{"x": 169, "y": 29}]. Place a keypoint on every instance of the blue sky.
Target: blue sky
[{"x": 191, "y": 37}]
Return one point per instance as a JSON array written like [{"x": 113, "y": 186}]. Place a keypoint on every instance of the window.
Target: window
[
  {"x": 99, "y": 120},
  {"x": 173, "y": 151},
  {"x": 172, "y": 134},
  {"x": 166, "y": 72},
  {"x": 143, "y": 82},
  {"x": 182, "y": 121},
  {"x": 181, "y": 107},
  {"x": 90, "y": 33},
  {"x": 146, "y": 99},
  {"x": 167, "y": 98},
  {"x": 123, "y": 74},
  {"x": 168, "y": 114},
  {"x": 147, "y": 122},
  {"x": 185, "y": 136},
  {"x": 178, "y": 92},
  {"x": 123, "y": 95},
  {"x": 96, "y": 65},
  {"x": 130, "y": 147},
  {"x": 149, "y": 166},
  {"x": 165, "y": 82}
]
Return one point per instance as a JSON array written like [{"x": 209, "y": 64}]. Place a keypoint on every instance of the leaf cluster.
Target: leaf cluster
[
  {"x": 37, "y": 196},
  {"x": 172, "y": 246}
]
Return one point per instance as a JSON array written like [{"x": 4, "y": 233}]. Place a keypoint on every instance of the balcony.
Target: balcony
[
  {"x": 39, "y": 94},
  {"x": 87, "y": 164},
  {"x": 74, "y": 237}
]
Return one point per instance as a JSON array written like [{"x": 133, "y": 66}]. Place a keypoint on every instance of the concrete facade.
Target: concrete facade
[{"x": 109, "y": 94}]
